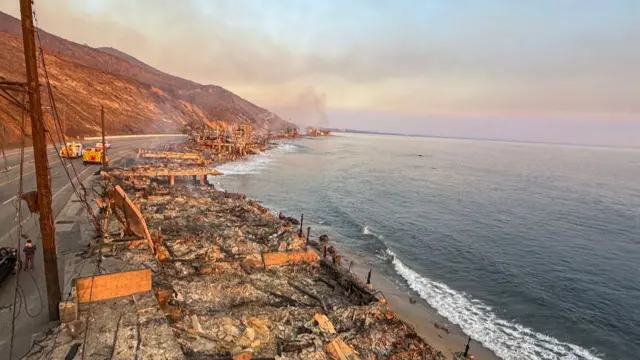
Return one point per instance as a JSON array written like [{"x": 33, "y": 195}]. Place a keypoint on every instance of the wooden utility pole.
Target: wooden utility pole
[
  {"x": 103, "y": 159},
  {"x": 41, "y": 162}
]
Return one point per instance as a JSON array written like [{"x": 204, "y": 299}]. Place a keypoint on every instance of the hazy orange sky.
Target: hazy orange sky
[{"x": 572, "y": 60}]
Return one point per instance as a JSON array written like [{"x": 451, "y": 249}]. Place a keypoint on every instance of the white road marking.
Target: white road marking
[
  {"x": 16, "y": 178},
  {"x": 115, "y": 157},
  {"x": 25, "y": 174},
  {"x": 6, "y": 202},
  {"x": 53, "y": 197}
]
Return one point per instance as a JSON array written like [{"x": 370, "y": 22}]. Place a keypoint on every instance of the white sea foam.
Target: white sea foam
[
  {"x": 509, "y": 340},
  {"x": 366, "y": 230},
  {"x": 253, "y": 164}
]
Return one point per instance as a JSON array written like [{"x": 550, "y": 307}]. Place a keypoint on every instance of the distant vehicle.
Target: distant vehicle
[
  {"x": 106, "y": 144},
  {"x": 94, "y": 156},
  {"x": 9, "y": 262},
  {"x": 71, "y": 150}
]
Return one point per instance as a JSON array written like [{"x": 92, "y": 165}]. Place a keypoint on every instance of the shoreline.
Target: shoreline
[
  {"x": 419, "y": 315},
  {"x": 228, "y": 279}
]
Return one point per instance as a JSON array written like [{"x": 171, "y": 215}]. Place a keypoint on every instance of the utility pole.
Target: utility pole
[
  {"x": 104, "y": 147},
  {"x": 41, "y": 162}
]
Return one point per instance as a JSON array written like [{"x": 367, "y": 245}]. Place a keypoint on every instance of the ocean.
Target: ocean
[{"x": 532, "y": 249}]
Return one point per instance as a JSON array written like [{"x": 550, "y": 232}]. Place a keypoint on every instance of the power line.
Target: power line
[
  {"x": 19, "y": 221},
  {"x": 58, "y": 129}
]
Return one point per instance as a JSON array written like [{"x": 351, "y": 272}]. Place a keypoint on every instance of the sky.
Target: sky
[{"x": 543, "y": 69}]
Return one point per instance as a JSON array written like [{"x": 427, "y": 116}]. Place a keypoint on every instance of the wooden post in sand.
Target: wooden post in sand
[
  {"x": 308, "y": 234},
  {"x": 466, "y": 349},
  {"x": 301, "y": 221}
]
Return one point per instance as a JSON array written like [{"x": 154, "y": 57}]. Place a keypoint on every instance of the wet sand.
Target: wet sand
[{"x": 419, "y": 315}]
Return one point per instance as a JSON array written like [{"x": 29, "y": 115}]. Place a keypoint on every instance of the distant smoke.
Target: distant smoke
[{"x": 309, "y": 109}]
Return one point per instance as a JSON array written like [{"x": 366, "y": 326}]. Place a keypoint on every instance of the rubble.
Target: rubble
[
  {"x": 231, "y": 280},
  {"x": 149, "y": 157},
  {"x": 142, "y": 175},
  {"x": 224, "y": 301},
  {"x": 315, "y": 132}
]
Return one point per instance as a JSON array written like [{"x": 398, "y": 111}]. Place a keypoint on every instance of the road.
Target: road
[{"x": 62, "y": 191}]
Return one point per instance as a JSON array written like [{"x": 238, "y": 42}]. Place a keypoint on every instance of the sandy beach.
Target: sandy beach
[{"x": 422, "y": 317}]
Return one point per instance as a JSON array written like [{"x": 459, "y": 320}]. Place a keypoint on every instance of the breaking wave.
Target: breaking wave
[
  {"x": 509, "y": 340},
  {"x": 253, "y": 164},
  {"x": 366, "y": 230}
]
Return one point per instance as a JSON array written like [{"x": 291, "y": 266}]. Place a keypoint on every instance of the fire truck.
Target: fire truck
[
  {"x": 71, "y": 150},
  {"x": 94, "y": 156}
]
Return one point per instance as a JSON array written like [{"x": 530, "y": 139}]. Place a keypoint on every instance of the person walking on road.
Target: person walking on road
[{"x": 29, "y": 254}]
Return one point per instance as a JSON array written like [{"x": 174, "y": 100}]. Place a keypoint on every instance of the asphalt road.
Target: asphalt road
[
  {"x": 60, "y": 184},
  {"x": 62, "y": 191}
]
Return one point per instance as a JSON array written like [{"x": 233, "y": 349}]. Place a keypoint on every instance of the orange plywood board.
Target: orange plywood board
[
  {"x": 109, "y": 286},
  {"x": 290, "y": 258}
]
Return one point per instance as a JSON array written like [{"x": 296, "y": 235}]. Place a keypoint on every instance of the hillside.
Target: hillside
[{"x": 137, "y": 97}]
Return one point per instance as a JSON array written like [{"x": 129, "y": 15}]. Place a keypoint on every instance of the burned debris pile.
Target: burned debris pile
[
  {"x": 219, "y": 142},
  {"x": 230, "y": 279},
  {"x": 315, "y": 132},
  {"x": 236, "y": 282}
]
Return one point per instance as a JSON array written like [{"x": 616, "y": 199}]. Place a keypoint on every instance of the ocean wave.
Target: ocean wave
[
  {"x": 366, "y": 230},
  {"x": 509, "y": 340},
  {"x": 253, "y": 164}
]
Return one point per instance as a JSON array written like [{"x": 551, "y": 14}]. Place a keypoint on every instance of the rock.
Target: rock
[
  {"x": 244, "y": 342},
  {"x": 250, "y": 334},
  {"x": 261, "y": 328},
  {"x": 231, "y": 330},
  {"x": 75, "y": 328},
  {"x": 195, "y": 323}
]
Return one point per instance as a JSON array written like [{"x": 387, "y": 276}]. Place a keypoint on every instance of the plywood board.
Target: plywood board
[{"x": 109, "y": 286}]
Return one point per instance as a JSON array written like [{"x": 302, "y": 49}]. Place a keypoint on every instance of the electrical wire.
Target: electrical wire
[
  {"x": 59, "y": 130},
  {"x": 19, "y": 221},
  {"x": 97, "y": 271},
  {"x": 55, "y": 339},
  {"x": 82, "y": 197}
]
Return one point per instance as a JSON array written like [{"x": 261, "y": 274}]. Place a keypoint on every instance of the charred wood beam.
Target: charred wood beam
[
  {"x": 348, "y": 282},
  {"x": 311, "y": 295},
  {"x": 284, "y": 298}
]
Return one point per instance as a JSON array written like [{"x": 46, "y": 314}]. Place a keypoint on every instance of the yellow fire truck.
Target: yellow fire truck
[
  {"x": 71, "y": 150},
  {"x": 94, "y": 156}
]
